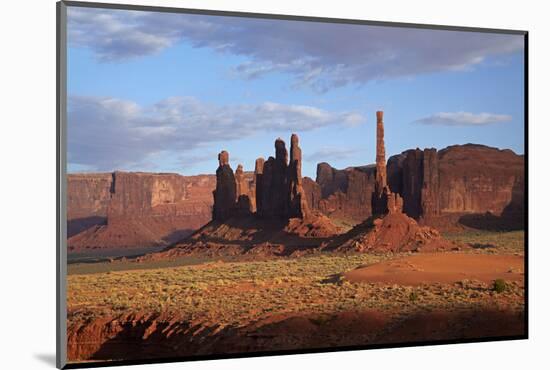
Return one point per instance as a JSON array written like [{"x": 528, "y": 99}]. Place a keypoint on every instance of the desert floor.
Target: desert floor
[{"x": 186, "y": 307}]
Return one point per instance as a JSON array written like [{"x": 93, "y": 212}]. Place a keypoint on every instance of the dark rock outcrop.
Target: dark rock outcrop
[
  {"x": 258, "y": 183},
  {"x": 275, "y": 184},
  {"x": 297, "y": 204},
  {"x": 225, "y": 194},
  {"x": 279, "y": 185}
]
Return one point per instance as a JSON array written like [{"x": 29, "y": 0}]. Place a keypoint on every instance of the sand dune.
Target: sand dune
[{"x": 441, "y": 268}]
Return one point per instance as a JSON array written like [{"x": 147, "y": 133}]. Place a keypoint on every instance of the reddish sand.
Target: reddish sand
[{"x": 440, "y": 268}]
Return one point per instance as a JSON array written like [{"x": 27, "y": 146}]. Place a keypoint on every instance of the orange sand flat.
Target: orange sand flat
[{"x": 440, "y": 268}]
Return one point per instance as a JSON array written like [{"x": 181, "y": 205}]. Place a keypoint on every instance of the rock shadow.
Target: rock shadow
[
  {"x": 77, "y": 225},
  {"x": 512, "y": 217}
]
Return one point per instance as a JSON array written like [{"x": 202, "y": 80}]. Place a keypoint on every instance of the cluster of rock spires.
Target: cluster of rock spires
[
  {"x": 276, "y": 190},
  {"x": 460, "y": 186},
  {"x": 279, "y": 194}
]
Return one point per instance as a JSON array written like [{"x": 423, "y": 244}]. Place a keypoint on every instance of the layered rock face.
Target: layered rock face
[
  {"x": 135, "y": 209},
  {"x": 415, "y": 175},
  {"x": 88, "y": 197},
  {"x": 460, "y": 179},
  {"x": 342, "y": 194}
]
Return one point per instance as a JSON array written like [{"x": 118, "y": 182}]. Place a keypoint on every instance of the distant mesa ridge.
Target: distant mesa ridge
[{"x": 468, "y": 185}]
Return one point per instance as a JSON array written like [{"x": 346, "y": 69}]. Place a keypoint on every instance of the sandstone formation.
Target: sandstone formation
[
  {"x": 280, "y": 185},
  {"x": 225, "y": 194},
  {"x": 133, "y": 210},
  {"x": 345, "y": 195},
  {"x": 395, "y": 232},
  {"x": 415, "y": 176},
  {"x": 257, "y": 184},
  {"x": 240, "y": 181},
  {"x": 88, "y": 197},
  {"x": 297, "y": 204},
  {"x": 275, "y": 184},
  {"x": 468, "y": 185},
  {"x": 281, "y": 216},
  {"x": 461, "y": 183},
  {"x": 144, "y": 335},
  {"x": 245, "y": 193},
  {"x": 276, "y": 188},
  {"x": 383, "y": 200},
  {"x": 390, "y": 230}
]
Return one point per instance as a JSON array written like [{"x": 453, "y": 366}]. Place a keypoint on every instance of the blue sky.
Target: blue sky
[{"x": 166, "y": 92}]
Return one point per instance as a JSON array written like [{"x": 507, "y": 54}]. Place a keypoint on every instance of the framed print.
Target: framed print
[{"x": 236, "y": 184}]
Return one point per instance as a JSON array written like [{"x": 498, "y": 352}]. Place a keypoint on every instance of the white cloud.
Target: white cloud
[
  {"x": 463, "y": 119},
  {"x": 107, "y": 133},
  {"x": 320, "y": 56},
  {"x": 331, "y": 154}
]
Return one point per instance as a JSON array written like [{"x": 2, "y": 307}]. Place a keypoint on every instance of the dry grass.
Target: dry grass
[
  {"x": 242, "y": 292},
  {"x": 491, "y": 241}
]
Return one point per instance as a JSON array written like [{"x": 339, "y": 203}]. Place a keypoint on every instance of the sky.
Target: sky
[{"x": 164, "y": 92}]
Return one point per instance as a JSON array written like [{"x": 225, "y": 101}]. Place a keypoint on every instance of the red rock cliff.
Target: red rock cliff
[
  {"x": 135, "y": 209},
  {"x": 459, "y": 180},
  {"x": 342, "y": 194},
  {"x": 455, "y": 183}
]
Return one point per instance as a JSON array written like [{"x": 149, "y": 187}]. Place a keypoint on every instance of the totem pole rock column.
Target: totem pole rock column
[{"x": 383, "y": 200}]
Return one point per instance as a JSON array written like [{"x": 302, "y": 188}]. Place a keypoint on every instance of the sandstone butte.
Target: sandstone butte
[{"x": 460, "y": 186}]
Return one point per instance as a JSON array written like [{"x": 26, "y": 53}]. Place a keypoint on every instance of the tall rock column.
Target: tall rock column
[
  {"x": 381, "y": 174},
  {"x": 383, "y": 200},
  {"x": 297, "y": 205},
  {"x": 379, "y": 196},
  {"x": 225, "y": 193}
]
